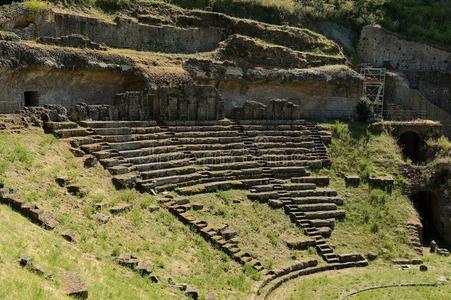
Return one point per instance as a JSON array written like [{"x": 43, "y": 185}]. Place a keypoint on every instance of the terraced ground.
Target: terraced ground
[{"x": 245, "y": 233}]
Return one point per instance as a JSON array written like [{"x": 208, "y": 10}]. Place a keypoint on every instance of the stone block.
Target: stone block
[
  {"x": 120, "y": 208},
  {"x": 352, "y": 180},
  {"x": 73, "y": 285}
]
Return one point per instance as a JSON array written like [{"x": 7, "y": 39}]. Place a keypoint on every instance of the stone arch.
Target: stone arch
[{"x": 412, "y": 145}]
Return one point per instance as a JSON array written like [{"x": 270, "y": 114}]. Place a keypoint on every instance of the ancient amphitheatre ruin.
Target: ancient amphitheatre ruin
[{"x": 157, "y": 151}]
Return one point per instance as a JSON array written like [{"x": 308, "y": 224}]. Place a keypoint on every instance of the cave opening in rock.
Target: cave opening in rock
[
  {"x": 31, "y": 98},
  {"x": 428, "y": 207},
  {"x": 412, "y": 146}
]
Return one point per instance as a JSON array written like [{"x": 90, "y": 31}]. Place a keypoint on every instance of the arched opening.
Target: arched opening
[
  {"x": 412, "y": 146},
  {"x": 428, "y": 207}
]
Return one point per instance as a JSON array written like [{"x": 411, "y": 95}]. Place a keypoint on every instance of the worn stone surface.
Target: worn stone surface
[
  {"x": 73, "y": 285},
  {"x": 68, "y": 235},
  {"x": 71, "y": 40},
  {"x": 102, "y": 218},
  {"x": 352, "y": 180},
  {"x": 90, "y": 162},
  {"x": 121, "y": 208}
]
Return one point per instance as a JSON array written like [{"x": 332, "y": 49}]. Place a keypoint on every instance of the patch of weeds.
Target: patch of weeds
[
  {"x": 136, "y": 217},
  {"x": 268, "y": 263},
  {"x": 311, "y": 250},
  {"x": 224, "y": 196},
  {"x": 251, "y": 272},
  {"x": 273, "y": 238},
  {"x": 35, "y": 6},
  {"x": 147, "y": 202},
  {"x": 115, "y": 252}
]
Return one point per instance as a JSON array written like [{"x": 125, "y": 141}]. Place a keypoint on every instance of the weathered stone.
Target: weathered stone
[
  {"x": 433, "y": 247},
  {"x": 382, "y": 182},
  {"x": 90, "y": 162},
  {"x": 442, "y": 251},
  {"x": 153, "y": 278},
  {"x": 371, "y": 256},
  {"x": 75, "y": 190},
  {"x": 229, "y": 234},
  {"x": 210, "y": 296},
  {"x": 77, "y": 152},
  {"x": 62, "y": 181},
  {"x": 300, "y": 244},
  {"x": 192, "y": 292},
  {"x": 121, "y": 208},
  {"x": 68, "y": 235},
  {"x": 25, "y": 260},
  {"x": 441, "y": 280},
  {"x": 352, "y": 180},
  {"x": 153, "y": 208},
  {"x": 144, "y": 268},
  {"x": 275, "y": 203},
  {"x": 181, "y": 201},
  {"x": 128, "y": 261},
  {"x": 101, "y": 218},
  {"x": 73, "y": 285},
  {"x": 197, "y": 206}
]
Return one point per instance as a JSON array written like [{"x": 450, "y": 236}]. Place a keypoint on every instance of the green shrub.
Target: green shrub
[
  {"x": 8, "y": 36},
  {"x": 442, "y": 145},
  {"x": 364, "y": 109},
  {"x": 34, "y": 6},
  {"x": 378, "y": 197}
]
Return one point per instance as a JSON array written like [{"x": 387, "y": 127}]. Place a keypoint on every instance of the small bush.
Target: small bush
[
  {"x": 8, "y": 36},
  {"x": 34, "y": 6},
  {"x": 374, "y": 228},
  {"x": 364, "y": 109}
]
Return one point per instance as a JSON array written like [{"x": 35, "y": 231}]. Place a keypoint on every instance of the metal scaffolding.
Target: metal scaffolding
[{"x": 373, "y": 88}]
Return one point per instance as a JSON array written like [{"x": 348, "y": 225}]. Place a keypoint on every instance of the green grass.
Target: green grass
[
  {"x": 158, "y": 238},
  {"x": 333, "y": 285},
  {"x": 262, "y": 231},
  {"x": 421, "y": 20},
  {"x": 379, "y": 217},
  {"x": 441, "y": 145},
  {"x": 35, "y": 6}
]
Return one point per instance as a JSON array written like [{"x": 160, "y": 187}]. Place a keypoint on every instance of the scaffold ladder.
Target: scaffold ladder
[{"x": 373, "y": 89}]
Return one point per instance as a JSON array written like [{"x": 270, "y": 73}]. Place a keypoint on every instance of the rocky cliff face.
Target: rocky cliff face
[{"x": 246, "y": 60}]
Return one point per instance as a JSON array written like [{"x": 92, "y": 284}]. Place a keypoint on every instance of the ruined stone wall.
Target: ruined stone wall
[
  {"x": 435, "y": 86},
  {"x": 128, "y": 33},
  {"x": 315, "y": 100},
  {"x": 383, "y": 48},
  {"x": 399, "y": 92},
  {"x": 62, "y": 87},
  {"x": 187, "y": 103},
  {"x": 320, "y": 93}
]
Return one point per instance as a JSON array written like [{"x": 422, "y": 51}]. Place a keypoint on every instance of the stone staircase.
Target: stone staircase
[
  {"x": 155, "y": 157},
  {"x": 309, "y": 205},
  {"x": 272, "y": 160}
]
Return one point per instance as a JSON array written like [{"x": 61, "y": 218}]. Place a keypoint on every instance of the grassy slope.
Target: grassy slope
[
  {"x": 425, "y": 21},
  {"x": 379, "y": 217},
  {"x": 30, "y": 162},
  {"x": 333, "y": 285},
  {"x": 262, "y": 231},
  {"x": 374, "y": 222}
]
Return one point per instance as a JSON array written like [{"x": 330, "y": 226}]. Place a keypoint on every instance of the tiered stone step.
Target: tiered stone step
[{"x": 115, "y": 124}]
